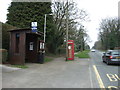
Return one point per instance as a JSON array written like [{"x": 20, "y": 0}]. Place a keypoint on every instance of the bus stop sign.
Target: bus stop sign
[{"x": 34, "y": 26}]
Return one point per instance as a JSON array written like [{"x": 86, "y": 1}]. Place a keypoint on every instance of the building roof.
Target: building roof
[
  {"x": 27, "y": 30},
  {"x": 20, "y": 29}
]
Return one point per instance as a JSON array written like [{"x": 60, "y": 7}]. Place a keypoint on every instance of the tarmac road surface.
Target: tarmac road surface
[
  {"x": 80, "y": 73},
  {"x": 109, "y": 74}
]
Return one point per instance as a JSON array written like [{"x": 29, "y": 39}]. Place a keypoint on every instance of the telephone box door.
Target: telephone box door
[{"x": 70, "y": 50}]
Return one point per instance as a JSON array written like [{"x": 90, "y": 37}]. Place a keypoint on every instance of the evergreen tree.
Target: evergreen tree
[{"x": 21, "y": 14}]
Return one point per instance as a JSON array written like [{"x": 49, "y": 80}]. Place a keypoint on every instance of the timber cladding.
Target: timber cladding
[{"x": 23, "y": 46}]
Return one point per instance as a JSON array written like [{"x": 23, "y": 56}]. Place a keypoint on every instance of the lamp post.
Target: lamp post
[
  {"x": 45, "y": 26},
  {"x": 67, "y": 32}
]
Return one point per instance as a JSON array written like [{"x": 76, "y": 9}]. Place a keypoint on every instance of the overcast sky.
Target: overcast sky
[{"x": 97, "y": 10}]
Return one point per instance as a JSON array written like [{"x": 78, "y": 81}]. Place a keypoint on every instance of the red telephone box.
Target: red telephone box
[{"x": 70, "y": 50}]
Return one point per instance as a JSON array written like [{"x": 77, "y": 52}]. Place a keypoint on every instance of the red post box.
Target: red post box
[{"x": 70, "y": 50}]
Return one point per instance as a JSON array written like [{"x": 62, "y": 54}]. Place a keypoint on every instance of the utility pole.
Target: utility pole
[{"x": 67, "y": 32}]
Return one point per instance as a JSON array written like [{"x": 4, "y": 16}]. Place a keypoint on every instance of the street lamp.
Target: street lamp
[
  {"x": 67, "y": 32},
  {"x": 45, "y": 25}
]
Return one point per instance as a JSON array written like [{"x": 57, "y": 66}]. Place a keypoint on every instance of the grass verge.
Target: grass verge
[
  {"x": 83, "y": 54},
  {"x": 20, "y": 66},
  {"x": 48, "y": 59}
]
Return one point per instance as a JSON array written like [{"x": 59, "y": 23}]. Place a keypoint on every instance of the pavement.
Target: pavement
[
  {"x": 55, "y": 74},
  {"x": 8, "y": 69},
  {"x": 0, "y": 78}
]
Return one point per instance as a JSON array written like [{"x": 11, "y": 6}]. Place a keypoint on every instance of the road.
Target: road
[
  {"x": 108, "y": 75},
  {"x": 80, "y": 73}
]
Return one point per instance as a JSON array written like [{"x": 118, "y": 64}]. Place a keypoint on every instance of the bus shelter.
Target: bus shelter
[{"x": 24, "y": 46}]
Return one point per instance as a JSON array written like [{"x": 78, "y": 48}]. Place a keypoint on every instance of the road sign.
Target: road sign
[{"x": 34, "y": 26}]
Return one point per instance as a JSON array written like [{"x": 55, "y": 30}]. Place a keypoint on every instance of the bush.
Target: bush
[
  {"x": 4, "y": 54},
  {"x": 5, "y": 35}
]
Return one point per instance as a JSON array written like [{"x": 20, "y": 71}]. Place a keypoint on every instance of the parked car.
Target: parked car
[
  {"x": 111, "y": 57},
  {"x": 93, "y": 50}
]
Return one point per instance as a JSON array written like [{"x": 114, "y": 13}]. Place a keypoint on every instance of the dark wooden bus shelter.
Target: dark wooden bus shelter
[{"x": 24, "y": 46}]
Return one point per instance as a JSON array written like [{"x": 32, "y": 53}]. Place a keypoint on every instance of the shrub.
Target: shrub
[
  {"x": 5, "y": 35},
  {"x": 4, "y": 54}
]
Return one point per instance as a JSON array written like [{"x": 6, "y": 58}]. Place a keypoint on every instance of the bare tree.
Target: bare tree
[
  {"x": 74, "y": 14},
  {"x": 109, "y": 33}
]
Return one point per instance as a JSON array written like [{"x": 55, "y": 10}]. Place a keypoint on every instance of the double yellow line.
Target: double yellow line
[{"x": 101, "y": 85}]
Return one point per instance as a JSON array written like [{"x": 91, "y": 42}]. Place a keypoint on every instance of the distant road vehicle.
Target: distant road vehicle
[
  {"x": 93, "y": 50},
  {"x": 111, "y": 57}
]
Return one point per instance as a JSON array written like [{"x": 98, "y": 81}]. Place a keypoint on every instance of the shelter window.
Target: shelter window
[{"x": 17, "y": 42}]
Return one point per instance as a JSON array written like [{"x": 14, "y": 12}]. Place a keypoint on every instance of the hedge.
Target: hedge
[{"x": 4, "y": 54}]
